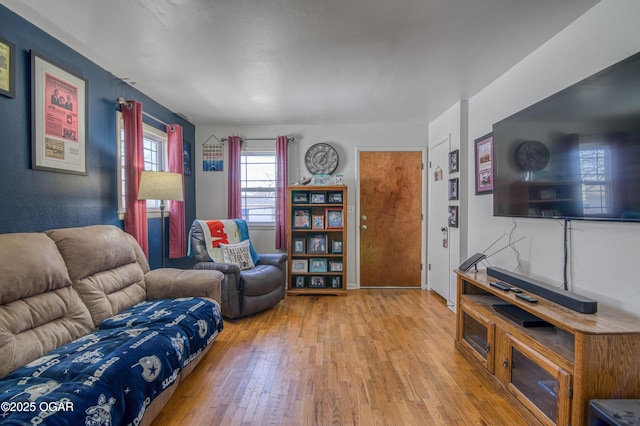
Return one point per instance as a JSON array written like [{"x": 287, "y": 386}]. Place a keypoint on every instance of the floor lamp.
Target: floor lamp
[{"x": 160, "y": 186}]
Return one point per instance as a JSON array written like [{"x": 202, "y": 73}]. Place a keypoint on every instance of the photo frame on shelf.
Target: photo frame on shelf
[
  {"x": 453, "y": 188},
  {"x": 300, "y": 197},
  {"x": 302, "y": 218},
  {"x": 334, "y": 197},
  {"x": 453, "y": 216},
  {"x": 334, "y": 218},
  {"x": 318, "y": 221},
  {"x": 336, "y": 247},
  {"x": 339, "y": 179},
  {"x": 317, "y": 244},
  {"x": 318, "y": 198},
  {"x": 299, "y": 265},
  {"x": 336, "y": 282},
  {"x": 7, "y": 68},
  {"x": 453, "y": 161},
  {"x": 322, "y": 180},
  {"x": 59, "y": 118},
  {"x": 299, "y": 245},
  {"x": 299, "y": 281},
  {"x": 317, "y": 282},
  {"x": 335, "y": 266},
  {"x": 317, "y": 264},
  {"x": 484, "y": 164}
]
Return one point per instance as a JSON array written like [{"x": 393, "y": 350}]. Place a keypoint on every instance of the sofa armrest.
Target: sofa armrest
[
  {"x": 168, "y": 283},
  {"x": 274, "y": 259}
]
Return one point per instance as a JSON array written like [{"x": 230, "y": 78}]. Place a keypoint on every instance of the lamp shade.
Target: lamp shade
[{"x": 160, "y": 186}]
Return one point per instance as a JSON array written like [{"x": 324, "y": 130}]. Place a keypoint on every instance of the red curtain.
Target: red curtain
[
  {"x": 177, "y": 228},
  {"x": 281, "y": 192},
  {"x": 234, "y": 205},
  {"x": 135, "y": 218}
]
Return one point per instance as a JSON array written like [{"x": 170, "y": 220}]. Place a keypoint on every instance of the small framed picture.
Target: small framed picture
[
  {"x": 302, "y": 218},
  {"x": 298, "y": 281},
  {"x": 318, "y": 221},
  {"x": 317, "y": 264},
  {"x": 453, "y": 216},
  {"x": 300, "y": 197},
  {"x": 335, "y": 197},
  {"x": 318, "y": 197},
  {"x": 339, "y": 179},
  {"x": 299, "y": 246},
  {"x": 453, "y": 189},
  {"x": 322, "y": 179},
  {"x": 335, "y": 266},
  {"x": 299, "y": 265},
  {"x": 317, "y": 282},
  {"x": 317, "y": 243},
  {"x": 453, "y": 161},
  {"x": 336, "y": 247},
  {"x": 336, "y": 282},
  {"x": 334, "y": 218}
]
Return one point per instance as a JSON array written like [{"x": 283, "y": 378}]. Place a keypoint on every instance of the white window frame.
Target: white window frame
[
  {"x": 258, "y": 149},
  {"x": 155, "y": 162}
]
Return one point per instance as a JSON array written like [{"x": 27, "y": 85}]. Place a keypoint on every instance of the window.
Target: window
[
  {"x": 595, "y": 176},
  {"x": 258, "y": 186},
  {"x": 154, "y": 148}
]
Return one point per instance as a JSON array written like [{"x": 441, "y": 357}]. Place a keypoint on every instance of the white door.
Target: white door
[{"x": 439, "y": 267}]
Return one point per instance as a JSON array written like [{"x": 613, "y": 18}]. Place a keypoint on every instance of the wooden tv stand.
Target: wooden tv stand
[{"x": 555, "y": 370}]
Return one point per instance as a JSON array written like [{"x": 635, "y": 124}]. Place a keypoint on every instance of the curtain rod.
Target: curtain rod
[
  {"x": 121, "y": 101},
  {"x": 289, "y": 139}
]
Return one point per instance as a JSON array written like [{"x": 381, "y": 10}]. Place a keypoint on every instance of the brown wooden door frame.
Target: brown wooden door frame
[{"x": 423, "y": 150}]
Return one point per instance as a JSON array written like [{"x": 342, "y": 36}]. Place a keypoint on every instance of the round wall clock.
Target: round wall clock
[{"x": 321, "y": 159}]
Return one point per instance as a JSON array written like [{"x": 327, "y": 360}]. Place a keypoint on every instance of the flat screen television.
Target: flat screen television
[{"x": 575, "y": 154}]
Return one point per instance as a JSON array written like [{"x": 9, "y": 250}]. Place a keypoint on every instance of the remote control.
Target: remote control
[
  {"x": 527, "y": 298},
  {"x": 499, "y": 284},
  {"x": 515, "y": 290}
]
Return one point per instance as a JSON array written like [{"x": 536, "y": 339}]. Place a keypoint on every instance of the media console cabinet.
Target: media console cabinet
[{"x": 555, "y": 367}]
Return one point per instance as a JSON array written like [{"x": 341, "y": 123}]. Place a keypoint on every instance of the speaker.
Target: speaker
[{"x": 565, "y": 298}]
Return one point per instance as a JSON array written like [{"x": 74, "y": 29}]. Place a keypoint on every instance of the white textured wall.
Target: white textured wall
[{"x": 604, "y": 255}]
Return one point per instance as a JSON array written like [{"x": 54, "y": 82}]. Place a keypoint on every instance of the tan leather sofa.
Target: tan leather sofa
[{"x": 58, "y": 286}]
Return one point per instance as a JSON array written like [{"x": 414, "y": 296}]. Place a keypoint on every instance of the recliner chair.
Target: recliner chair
[{"x": 244, "y": 291}]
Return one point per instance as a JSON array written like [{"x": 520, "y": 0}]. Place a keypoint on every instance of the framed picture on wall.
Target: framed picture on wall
[
  {"x": 453, "y": 161},
  {"x": 186, "y": 155},
  {"x": 453, "y": 216},
  {"x": 7, "y": 68},
  {"x": 453, "y": 189},
  {"x": 59, "y": 118},
  {"x": 484, "y": 164}
]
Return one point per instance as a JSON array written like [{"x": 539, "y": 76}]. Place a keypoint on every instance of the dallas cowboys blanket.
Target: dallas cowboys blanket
[{"x": 110, "y": 376}]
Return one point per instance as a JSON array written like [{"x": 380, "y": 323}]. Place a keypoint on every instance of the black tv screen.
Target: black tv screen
[{"x": 575, "y": 154}]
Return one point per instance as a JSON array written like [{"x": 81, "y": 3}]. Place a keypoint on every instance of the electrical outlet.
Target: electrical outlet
[{"x": 351, "y": 209}]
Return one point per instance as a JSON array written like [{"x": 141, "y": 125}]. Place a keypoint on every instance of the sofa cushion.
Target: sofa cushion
[
  {"x": 39, "y": 309},
  {"x": 112, "y": 375},
  {"x": 103, "y": 267}
]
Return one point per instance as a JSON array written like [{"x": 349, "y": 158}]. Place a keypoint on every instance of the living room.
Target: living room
[{"x": 601, "y": 252}]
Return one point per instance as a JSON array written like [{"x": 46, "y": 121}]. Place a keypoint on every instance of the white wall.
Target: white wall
[
  {"x": 603, "y": 255},
  {"x": 211, "y": 187}
]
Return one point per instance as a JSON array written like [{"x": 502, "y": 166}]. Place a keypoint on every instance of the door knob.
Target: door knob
[{"x": 364, "y": 226}]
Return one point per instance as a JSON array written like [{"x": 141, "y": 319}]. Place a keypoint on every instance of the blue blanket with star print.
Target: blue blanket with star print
[{"x": 110, "y": 377}]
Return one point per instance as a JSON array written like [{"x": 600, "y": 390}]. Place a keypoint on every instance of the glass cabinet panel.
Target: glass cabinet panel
[{"x": 476, "y": 332}]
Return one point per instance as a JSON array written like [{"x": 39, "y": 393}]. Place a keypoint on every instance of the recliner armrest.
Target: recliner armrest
[
  {"x": 166, "y": 283},
  {"x": 274, "y": 259},
  {"x": 225, "y": 268}
]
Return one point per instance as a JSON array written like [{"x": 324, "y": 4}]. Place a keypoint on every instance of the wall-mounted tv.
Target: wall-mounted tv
[{"x": 575, "y": 154}]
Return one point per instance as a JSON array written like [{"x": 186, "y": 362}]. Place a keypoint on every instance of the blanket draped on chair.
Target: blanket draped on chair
[{"x": 227, "y": 231}]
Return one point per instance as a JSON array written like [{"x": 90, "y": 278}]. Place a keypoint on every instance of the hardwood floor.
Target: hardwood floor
[{"x": 374, "y": 357}]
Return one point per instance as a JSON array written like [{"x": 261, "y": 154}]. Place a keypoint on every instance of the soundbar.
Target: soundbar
[{"x": 565, "y": 298}]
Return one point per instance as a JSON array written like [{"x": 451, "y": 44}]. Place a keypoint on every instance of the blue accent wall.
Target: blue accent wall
[{"x": 35, "y": 200}]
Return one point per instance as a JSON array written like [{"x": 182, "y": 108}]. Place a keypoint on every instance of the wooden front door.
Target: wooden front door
[{"x": 390, "y": 222}]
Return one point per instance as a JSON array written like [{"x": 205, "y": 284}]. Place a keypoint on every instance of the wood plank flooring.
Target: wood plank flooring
[{"x": 375, "y": 357}]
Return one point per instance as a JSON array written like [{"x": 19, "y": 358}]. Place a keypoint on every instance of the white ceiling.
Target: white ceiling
[{"x": 304, "y": 61}]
